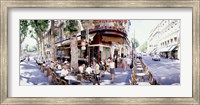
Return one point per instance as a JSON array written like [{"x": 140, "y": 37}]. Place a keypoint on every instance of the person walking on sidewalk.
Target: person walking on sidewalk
[
  {"x": 96, "y": 72},
  {"x": 112, "y": 70}
]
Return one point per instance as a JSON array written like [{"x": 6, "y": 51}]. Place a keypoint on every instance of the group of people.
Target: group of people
[
  {"x": 98, "y": 69},
  {"x": 95, "y": 69}
]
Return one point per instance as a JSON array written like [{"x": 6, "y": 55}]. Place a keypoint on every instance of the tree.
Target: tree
[
  {"x": 73, "y": 27},
  {"x": 26, "y": 47},
  {"x": 23, "y": 32},
  {"x": 135, "y": 42},
  {"x": 143, "y": 47},
  {"x": 40, "y": 27},
  {"x": 52, "y": 40}
]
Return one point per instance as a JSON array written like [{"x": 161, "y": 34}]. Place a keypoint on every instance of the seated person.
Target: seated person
[
  {"x": 59, "y": 67},
  {"x": 89, "y": 70},
  {"x": 64, "y": 72},
  {"x": 81, "y": 68}
]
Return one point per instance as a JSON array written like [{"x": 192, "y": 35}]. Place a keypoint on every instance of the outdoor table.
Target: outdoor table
[
  {"x": 71, "y": 79},
  {"x": 143, "y": 83},
  {"x": 140, "y": 69},
  {"x": 140, "y": 74},
  {"x": 58, "y": 72},
  {"x": 138, "y": 63}
]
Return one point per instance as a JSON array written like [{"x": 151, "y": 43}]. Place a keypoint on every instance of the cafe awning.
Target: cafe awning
[
  {"x": 172, "y": 48},
  {"x": 112, "y": 39},
  {"x": 94, "y": 45},
  {"x": 154, "y": 50},
  {"x": 165, "y": 49},
  {"x": 168, "y": 48}
]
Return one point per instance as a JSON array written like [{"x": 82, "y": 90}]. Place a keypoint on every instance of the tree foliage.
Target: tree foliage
[
  {"x": 23, "y": 29},
  {"x": 71, "y": 26},
  {"x": 143, "y": 47},
  {"x": 135, "y": 42},
  {"x": 39, "y": 26}
]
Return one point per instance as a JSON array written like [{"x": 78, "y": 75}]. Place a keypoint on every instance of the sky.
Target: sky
[
  {"x": 28, "y": 40},
  {"x": 142, "y": 29}
]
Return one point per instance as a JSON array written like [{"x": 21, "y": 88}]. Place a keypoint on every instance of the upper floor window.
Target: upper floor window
[{"x": 175, "y": 39}]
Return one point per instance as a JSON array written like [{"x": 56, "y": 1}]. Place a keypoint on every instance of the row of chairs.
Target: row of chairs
[
  {"x": 134, "y": 80},
  {"x": 53, "y": 78}
]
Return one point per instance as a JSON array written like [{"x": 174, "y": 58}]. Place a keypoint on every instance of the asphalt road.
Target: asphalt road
[{"x": 165, "y": 71}]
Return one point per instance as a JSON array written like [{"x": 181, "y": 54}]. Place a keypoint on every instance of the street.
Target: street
[
  {"x": 30, "y": 74},
  {"x": 165, "y": 71}
]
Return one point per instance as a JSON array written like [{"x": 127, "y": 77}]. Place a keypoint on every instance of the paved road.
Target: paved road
[
  {"x": 121, "y": 78},
  {"x": 166, "y": 71},
  {"x": 30, "y": 74}
]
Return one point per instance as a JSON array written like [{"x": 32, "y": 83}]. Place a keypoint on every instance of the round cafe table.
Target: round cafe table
[
  {"x": 140, "y": 69},
  {"x": 140, "y": 74},
  {"x": 139, "y": 65},
  {"x": 58, "y": 72},
  {"x": 71, "y": 79}
]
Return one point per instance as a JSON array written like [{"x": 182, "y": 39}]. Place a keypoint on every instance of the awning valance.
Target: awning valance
[
  {"x": 165, "y": 49},
  {"x": 168, "y": 49},
  {"x": 94, "y": 45},
  {"x": 172, "y": 48},
  {"x": 112, "y": 39}
]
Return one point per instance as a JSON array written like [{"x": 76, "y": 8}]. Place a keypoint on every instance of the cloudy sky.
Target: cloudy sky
[{"x": 142, "y": 29}]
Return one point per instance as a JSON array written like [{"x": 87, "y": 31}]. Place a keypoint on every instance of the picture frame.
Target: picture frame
[{"x": 4, "y": 61}]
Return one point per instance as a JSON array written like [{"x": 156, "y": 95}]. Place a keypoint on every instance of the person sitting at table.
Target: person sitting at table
[
  {"x": 81, "y": 72},
  {"x": 88, "y": 70},
  {"x": 81, "y": 68},
  {"x": 59, "y": 67},
  {"x": 64, "y": 72},
  {"x": 96, "y": 71}
]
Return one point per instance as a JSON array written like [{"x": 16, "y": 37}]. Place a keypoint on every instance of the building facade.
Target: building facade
[
  {"x": 165, "y": 39},
  {"x": 98, "y": 39}
]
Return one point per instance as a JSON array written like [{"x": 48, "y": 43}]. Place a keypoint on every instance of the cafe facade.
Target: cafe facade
[{"x": 101, "y": 42}]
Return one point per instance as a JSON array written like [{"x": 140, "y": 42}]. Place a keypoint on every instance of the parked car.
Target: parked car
[
  {"x": 144, "y": 54},
  {"x": 156, "y": 58}
]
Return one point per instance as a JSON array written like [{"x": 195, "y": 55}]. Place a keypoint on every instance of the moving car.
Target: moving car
[{"x": 156, "y": 58}]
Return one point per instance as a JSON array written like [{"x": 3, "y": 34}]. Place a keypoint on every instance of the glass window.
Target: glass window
[{"x": 175, "y": 39}]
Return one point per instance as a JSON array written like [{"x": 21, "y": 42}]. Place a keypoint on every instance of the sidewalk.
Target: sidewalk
[
  {"x": 121, "y": 78},
  {"x": 30, "y": 74}
]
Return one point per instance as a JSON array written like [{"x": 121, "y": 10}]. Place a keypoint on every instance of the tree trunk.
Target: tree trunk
[
  {"x": 74, "y": 52},
  {"x": 43, "y": 47},
  {"x": 52, "y": 41},
  {"x": 21, "y": 41}
]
